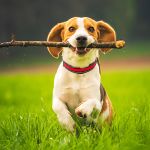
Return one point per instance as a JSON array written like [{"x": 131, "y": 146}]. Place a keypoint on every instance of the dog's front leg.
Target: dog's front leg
[
  {"x": 63, "y": 114},
  {"x": 86, "y": 108}
]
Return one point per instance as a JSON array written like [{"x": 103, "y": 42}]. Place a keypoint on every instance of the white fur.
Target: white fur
[
  {"x": 87, "y": 107},
  {"x": 79, "y": 61},
  {"x": 78, "y": 92},
  {"x": 63, "y": 114},
  {"x": 105, "y": 114}
]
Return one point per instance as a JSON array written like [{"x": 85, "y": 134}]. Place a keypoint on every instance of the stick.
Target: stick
[{"x": 14, "y": 43}]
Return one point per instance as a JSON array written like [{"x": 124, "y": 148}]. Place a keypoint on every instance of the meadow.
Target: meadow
[{"x": 27, "y": 121}]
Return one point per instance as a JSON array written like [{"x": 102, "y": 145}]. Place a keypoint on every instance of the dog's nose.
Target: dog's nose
[{"x": 81, "y": 40}]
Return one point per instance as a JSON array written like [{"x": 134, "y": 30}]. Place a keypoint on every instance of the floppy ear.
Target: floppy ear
[
  {"x": 55, "y": 35},
  {"x": 105, "y": 34}
]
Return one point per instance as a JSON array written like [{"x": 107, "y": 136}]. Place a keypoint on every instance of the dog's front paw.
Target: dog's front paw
[
  {"x": 68, "y": 123},
  {"x": 84, "y": 110}
]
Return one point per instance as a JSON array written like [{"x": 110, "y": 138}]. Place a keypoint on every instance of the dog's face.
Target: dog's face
[{"x": 80, "y": 32}]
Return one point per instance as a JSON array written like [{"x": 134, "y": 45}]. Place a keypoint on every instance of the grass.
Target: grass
[{"x": 27, "y": 121}]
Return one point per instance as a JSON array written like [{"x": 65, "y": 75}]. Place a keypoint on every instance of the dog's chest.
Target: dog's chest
[{"x": 73, "y": 88}]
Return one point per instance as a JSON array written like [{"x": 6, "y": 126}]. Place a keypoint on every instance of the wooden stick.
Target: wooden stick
[{"x": 14, "y": 43}]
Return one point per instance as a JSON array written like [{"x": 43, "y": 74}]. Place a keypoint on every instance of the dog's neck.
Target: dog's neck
[{"x": 79, "y": 61}]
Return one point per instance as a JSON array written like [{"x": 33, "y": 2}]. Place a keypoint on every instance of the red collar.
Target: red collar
[{"x": 79, "y": 70}]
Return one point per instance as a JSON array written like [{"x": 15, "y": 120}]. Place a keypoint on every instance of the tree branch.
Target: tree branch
[{"x": 14, "y": 43}]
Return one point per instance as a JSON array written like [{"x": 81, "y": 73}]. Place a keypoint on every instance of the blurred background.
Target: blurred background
[{"x": 32, "y": 20}]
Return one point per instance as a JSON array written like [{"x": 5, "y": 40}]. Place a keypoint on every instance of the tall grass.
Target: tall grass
[{"x": 28, "y": 122}]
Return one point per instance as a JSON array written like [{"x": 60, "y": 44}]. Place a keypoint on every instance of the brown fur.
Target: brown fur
[
  {"x": 55, "y": 36},
  {"x": 106, "y": 104},
  {"x": 106, "y": 34},
  {"x": 88, "y": 22},
  {"x": 60, "y": 33}
]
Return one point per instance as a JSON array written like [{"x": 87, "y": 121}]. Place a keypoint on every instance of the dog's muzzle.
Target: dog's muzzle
[
  {"x": 81, "y": 45},
  {"x": 81, "y": 41}
]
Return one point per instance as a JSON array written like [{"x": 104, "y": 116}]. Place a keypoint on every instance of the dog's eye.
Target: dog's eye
[
  {"x": 71, "y": 29},
  {"x": 91, "y": 29}
]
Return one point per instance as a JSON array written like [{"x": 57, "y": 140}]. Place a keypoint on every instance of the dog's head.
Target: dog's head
[{"x": 80, "y": 32}]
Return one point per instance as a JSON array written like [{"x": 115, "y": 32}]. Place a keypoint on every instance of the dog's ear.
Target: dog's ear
[
  {"x": 105, "y": 34},
  {"x": 55, "y": 35}
]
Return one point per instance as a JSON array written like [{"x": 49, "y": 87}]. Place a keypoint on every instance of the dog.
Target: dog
[{"x": 77, "y": 84}]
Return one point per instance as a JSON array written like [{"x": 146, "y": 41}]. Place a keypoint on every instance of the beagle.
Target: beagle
[{"x": 77, "y": 86}]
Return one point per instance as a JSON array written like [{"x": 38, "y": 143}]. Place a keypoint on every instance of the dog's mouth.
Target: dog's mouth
[{"x": 80, "y": 50}]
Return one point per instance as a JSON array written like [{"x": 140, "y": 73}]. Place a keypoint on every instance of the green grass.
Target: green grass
[{"x": 28, "y": 122}]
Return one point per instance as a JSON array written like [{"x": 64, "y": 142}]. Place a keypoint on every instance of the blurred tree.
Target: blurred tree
[
  {"x": 32, "y": 20},
  {"x": 141, "y": 28}
]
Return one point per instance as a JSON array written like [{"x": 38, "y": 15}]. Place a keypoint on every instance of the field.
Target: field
[{"x": 28, "y": 122}]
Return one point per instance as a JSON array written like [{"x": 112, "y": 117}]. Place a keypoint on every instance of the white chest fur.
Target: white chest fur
[{"x": 73, "y": 89}]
